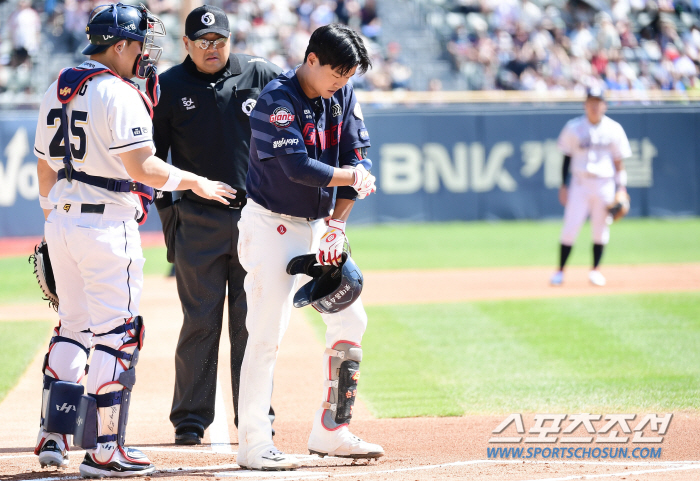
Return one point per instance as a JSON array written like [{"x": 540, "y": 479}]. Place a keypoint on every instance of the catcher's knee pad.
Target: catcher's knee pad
[
  {"x": 343, "y": 364},
  {"x": 105, "y": 413}
]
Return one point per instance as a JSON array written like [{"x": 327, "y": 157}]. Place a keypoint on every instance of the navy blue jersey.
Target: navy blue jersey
[{"x": 285, "y": 121}]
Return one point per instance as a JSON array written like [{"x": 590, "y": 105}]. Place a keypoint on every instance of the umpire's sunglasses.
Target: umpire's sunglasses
[{"x": 204, "y": 44}]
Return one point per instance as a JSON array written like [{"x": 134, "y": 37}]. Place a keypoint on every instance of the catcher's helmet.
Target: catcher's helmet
[
  {"x": 332, "y": 289},
  {"x": 111, "y": 23}
]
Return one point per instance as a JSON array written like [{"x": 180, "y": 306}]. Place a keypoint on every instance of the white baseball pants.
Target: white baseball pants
[
  {"x": 588, "y": 196},
  {"x": 267, "y": 242},
  {"x": 98, "y": 266}
]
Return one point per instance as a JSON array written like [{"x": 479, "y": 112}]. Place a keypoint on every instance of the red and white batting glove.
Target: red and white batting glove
[
  {"x": 332, "y": 242},
  {"x": 364, "y": 182}
]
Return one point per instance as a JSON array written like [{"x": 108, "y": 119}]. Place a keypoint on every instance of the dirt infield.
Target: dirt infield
[{"x": 418, "y": 448}]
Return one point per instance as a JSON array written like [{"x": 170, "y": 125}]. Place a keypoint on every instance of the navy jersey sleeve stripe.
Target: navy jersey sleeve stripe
[{"x": 275, "y": 126}]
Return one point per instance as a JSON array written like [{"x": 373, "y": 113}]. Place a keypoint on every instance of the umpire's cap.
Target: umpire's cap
[
  {"x": 331, "y": 289},
  {"x": 206, "y": 19}
]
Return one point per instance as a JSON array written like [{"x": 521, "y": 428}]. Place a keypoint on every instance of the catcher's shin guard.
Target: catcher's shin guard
[
  {"x": 343, "y": 372},
  {"x": 64, "y": 366},
  {"x": 62, "y": 402},
  {"x": 103, "y": 415}
]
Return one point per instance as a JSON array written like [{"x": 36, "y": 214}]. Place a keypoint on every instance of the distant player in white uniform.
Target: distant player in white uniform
[
  {"x": 594, "y": 148},
  {"x": 93, "y": 188}
]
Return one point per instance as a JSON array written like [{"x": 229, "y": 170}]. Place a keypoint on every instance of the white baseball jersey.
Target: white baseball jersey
[
  {"x": 593, "y": 148},
  {"x": 107, "y": 117}
]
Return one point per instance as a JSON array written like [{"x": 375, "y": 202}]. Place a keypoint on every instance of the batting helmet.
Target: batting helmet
[
  {"x": 111, "y": 23},
  {"x": 331, "y": 288}
]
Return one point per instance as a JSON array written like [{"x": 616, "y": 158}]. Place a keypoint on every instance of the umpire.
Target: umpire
[{"x": 203, "y": 120}]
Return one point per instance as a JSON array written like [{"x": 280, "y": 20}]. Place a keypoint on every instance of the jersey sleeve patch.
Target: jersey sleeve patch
[
  {"x": 284, "y": 142},
  {"x": 274, "y": 127},
  {"x": 131, "y": 127},
  {"x": 282, "y": 117}
]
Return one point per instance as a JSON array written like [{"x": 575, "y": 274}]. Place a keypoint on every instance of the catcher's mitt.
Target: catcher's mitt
[
  {"x": 44, "y": 273},
  {"x": 620, "y": 206}
]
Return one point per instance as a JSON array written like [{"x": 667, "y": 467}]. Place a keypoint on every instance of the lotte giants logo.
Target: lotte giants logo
[
  {"x": 281, "y": 229},
  {"x": 282, "y": 117}
]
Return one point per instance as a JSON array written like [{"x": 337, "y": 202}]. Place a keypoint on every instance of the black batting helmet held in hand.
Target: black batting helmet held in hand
[{"x": 331, "y": 289}]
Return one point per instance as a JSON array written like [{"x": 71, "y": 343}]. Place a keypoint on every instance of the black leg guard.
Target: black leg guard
[{"x": 342, "y": 378}]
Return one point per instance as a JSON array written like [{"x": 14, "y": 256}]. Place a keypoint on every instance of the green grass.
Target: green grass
[
  {"x": 19, "y": 343},
  {"x": 518, "y": 243},
  {"x": 457, "y": 245},
  {"x": 629, "y": 353},
  {"x": 18, "y": 284},
  {"x": 156, "y": 263}
]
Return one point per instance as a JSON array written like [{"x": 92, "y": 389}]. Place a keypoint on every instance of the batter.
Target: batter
[{"x": 309, "y": 140}]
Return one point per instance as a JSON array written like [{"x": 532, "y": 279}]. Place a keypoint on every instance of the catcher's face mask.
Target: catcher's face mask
[{"x": 150, "y": 54}]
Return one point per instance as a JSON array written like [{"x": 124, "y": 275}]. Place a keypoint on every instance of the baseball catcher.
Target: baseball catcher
[
  {"x": 620, "y": 206},
  {"x": 44, "y": 273}
]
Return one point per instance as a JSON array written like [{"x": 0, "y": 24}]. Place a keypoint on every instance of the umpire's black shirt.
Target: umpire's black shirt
[{"x": 203, "y": 119}]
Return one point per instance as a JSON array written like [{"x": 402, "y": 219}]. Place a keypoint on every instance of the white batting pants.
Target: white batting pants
[
  {"x": 266, "y": 243},
  {"x": 98, "y": 266},
  {"x": 588, "y": 197}
]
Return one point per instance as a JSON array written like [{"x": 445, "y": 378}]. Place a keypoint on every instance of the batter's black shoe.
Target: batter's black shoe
[
  {"x": 125, "y": 462},
  {"x": 188, "y": 437},
  {"x": 51, "y": 454}
]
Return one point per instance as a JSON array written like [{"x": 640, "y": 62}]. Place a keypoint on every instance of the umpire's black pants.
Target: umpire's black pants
[{"x": 206, "y": 259}]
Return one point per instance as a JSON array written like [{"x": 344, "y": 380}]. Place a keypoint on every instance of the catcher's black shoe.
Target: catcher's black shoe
[
  {"x": 51, "y": 454},
  {"x": 125, "y": 462}
]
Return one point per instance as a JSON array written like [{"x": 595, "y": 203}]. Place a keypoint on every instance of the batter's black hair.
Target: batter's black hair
[{"x": 340, "y": 47}]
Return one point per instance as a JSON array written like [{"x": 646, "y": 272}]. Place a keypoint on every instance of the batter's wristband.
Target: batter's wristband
[
  {"x": 44, "y": 203},
  {"x": 337, "y": 224},
  {"x": 173, "y": 179},
  {"x": 621, "y": 178}
]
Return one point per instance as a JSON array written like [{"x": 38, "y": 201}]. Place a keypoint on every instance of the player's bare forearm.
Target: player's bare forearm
[
  {"x": 144, "y": 167},
  {"x": 148, "y": 169},
  {"x": 47, "y": 179},
  {"x": 342, "y": 209}
]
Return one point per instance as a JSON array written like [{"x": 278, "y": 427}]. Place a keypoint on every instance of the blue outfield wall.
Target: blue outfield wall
[{"x": 439, "y": 163}]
